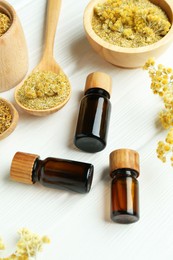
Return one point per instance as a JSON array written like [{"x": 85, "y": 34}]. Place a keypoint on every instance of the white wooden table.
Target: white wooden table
[{"x": 79, "y": 225}]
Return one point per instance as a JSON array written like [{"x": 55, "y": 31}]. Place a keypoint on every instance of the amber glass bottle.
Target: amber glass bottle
[
  {"x": 124, "y": 169},
  {"x": 94, "y": 114},
  {"x": 52, "y": 172}
]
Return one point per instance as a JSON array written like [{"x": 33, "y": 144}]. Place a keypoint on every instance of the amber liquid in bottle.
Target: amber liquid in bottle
[
  {"x": 124, "y": 196},
  {"x": 52, "y": 172},
  {"x": 124, "y": 171},
  {"x": 63, "y": 174},
  {"x": 93, "y": 121}
]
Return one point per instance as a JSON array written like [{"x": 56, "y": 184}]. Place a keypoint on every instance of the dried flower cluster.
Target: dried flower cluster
[
  {"x": 5, "y": 116},
  {"x": 28, "y": 246},
  {"x": 162, "y": 84},
  {"x": 4, "y": 23},
  {"x": 130, "y": 23},
  {"x": 44, "y": 90}
]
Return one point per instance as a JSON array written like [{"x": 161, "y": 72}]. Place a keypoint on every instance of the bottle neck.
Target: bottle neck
[
  {"x": 99, "y": 91},
  {"x": 124, "y": 172},
  {"x": 36, "y": 170}
]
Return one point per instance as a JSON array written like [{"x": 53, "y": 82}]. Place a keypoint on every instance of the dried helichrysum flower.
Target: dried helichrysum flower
[
  {"x": 166, "y": 147},
  {"x": 4, "y": 23},
  {"x": 29, "y": 243},
  {"x": 28, "y": 246},
  {"x": 44, "y": 84},
  {"x": 130, "y": 23},
  {"x": 162, "y": 84},
  {"x": 43, "y": 90}
]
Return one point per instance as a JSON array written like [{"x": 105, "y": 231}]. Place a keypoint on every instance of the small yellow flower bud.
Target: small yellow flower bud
[
  {"x": 45, "y": 240},
  {"x": 167, "y": 148},
  {"x": 169, "y": 70},
  {"x": 160, "y": 67}
]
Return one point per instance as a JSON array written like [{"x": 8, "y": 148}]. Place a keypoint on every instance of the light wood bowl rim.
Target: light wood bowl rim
[
  {"x": 115, "y": 48},
  {"x": 15, "y": 118}
]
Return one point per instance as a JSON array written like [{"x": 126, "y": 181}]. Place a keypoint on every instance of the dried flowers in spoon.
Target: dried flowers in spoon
[{"x": 43, "y": 90}]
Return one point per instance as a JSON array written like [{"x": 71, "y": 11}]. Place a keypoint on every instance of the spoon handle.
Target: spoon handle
[{"x": 53, "y": 12}]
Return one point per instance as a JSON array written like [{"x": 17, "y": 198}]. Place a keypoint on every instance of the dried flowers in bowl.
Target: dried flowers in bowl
[
  {"x": 126, "y": 33},
  {"x": 8, "y": 118},
  {"x": 130, "y": 23},
  {"x": 162, "y": 85},
  {"x": 4, "y": 23}
]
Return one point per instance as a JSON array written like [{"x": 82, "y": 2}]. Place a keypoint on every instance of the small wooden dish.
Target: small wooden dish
[
  {"x": 15, "y": 117},
  {"x": 127, "y": 57},
  {"x": 13, "y": 51}
]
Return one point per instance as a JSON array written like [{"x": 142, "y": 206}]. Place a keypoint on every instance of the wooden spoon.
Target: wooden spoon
[
  {"x": 14, "y": 122},
  {"x": 47, "y": 62}
]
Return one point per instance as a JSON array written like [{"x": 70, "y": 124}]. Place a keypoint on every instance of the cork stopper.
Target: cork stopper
[
  {"x": 99, "y": 80},
  {"x": 22, "y": 167},
  {"x": 124, "y": 158}
]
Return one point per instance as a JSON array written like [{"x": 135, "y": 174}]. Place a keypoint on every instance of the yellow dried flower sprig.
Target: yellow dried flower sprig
[
  {"x": 130, "y": 23},
  {"x": 28, "y": 246},
  {"x": 166, "y": 147},
  {"x": 162, "y": 84}
]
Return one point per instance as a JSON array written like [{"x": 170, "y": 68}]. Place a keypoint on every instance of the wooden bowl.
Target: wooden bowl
[
  {"x": 13, "y": 51},
  {"x": 15, "y": 117},
  {"x": 127, "y": 57}
]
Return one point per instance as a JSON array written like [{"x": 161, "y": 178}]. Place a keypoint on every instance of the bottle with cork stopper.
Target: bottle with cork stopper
[
  {"x": 94, "y": 113},
  {"x": 52, "y": 172},
  {"x": 124, "y": 169}
]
